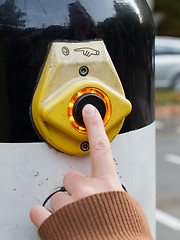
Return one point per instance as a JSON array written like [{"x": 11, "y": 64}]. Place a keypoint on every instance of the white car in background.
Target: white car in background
[{"x": 167, "y": 62}]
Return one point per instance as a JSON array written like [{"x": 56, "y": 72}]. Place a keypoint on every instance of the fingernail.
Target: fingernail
[{"x": 89, "y": 109}]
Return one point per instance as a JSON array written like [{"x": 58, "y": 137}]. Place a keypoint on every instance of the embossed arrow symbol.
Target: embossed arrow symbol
[{"x": 87, "y": 51}]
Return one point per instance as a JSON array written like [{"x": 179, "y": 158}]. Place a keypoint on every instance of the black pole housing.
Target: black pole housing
[{"x": 27, "y": 29}]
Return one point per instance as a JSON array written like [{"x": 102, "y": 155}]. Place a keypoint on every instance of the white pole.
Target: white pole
[{"x": 30, "y": 172}]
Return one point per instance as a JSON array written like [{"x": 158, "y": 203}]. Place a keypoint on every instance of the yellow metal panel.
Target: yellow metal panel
[{"x": 60, "y": 80}]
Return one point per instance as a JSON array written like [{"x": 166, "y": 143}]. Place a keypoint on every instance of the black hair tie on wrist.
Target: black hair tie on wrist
[
  {"x": 124, "y": 188},
  {"x": 62, "y": 189}
]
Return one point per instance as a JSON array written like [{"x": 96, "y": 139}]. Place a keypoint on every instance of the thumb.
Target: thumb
[{"x": 38, "y": 215}]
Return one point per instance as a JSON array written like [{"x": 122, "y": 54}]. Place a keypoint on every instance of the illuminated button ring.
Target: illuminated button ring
[{"x": 93, "y": 96}]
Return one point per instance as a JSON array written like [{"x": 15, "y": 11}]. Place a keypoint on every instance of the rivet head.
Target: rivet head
[
  {"x": 85, "y": 146},
  {"x": 83, "y": 71}
]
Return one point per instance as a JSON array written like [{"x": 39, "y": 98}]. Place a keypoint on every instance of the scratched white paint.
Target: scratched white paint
[{"x": 31, "y": 171}]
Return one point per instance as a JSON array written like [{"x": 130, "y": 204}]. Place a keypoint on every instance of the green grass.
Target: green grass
[{"x": 167, "y": 96}]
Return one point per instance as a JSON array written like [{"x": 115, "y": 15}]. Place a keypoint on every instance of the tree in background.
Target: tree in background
[
  {"x": 170, "y": 12},
  {"x": 11, "y": 16}
]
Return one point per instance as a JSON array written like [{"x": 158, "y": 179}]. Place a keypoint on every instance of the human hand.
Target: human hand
[{"x": 103, "y": 172}]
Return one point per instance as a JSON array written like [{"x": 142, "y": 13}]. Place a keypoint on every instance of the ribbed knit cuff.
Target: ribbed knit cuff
[{"x": 109, "y": 215}]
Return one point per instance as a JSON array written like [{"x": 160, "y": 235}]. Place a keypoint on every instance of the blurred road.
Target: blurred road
[{"x": 168, "y": 177}]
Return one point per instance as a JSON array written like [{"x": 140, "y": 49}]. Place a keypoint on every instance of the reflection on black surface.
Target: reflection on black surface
[
  {"x": 129, "y": 38},
  {"x": 82, "y": 26},
  {"x": 10, "y": 15}
]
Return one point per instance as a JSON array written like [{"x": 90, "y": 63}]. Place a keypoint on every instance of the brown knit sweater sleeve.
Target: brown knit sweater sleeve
[{"x": 110, "y": 215}]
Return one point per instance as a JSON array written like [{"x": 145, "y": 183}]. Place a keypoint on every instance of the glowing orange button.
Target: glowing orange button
[{"x": 77, "y": 95}]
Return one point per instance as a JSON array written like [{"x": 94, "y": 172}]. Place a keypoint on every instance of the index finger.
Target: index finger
[{"x": 102, "y": 163}]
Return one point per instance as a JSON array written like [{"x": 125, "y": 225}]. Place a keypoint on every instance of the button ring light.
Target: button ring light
[{"x": 93, "y": 92}]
